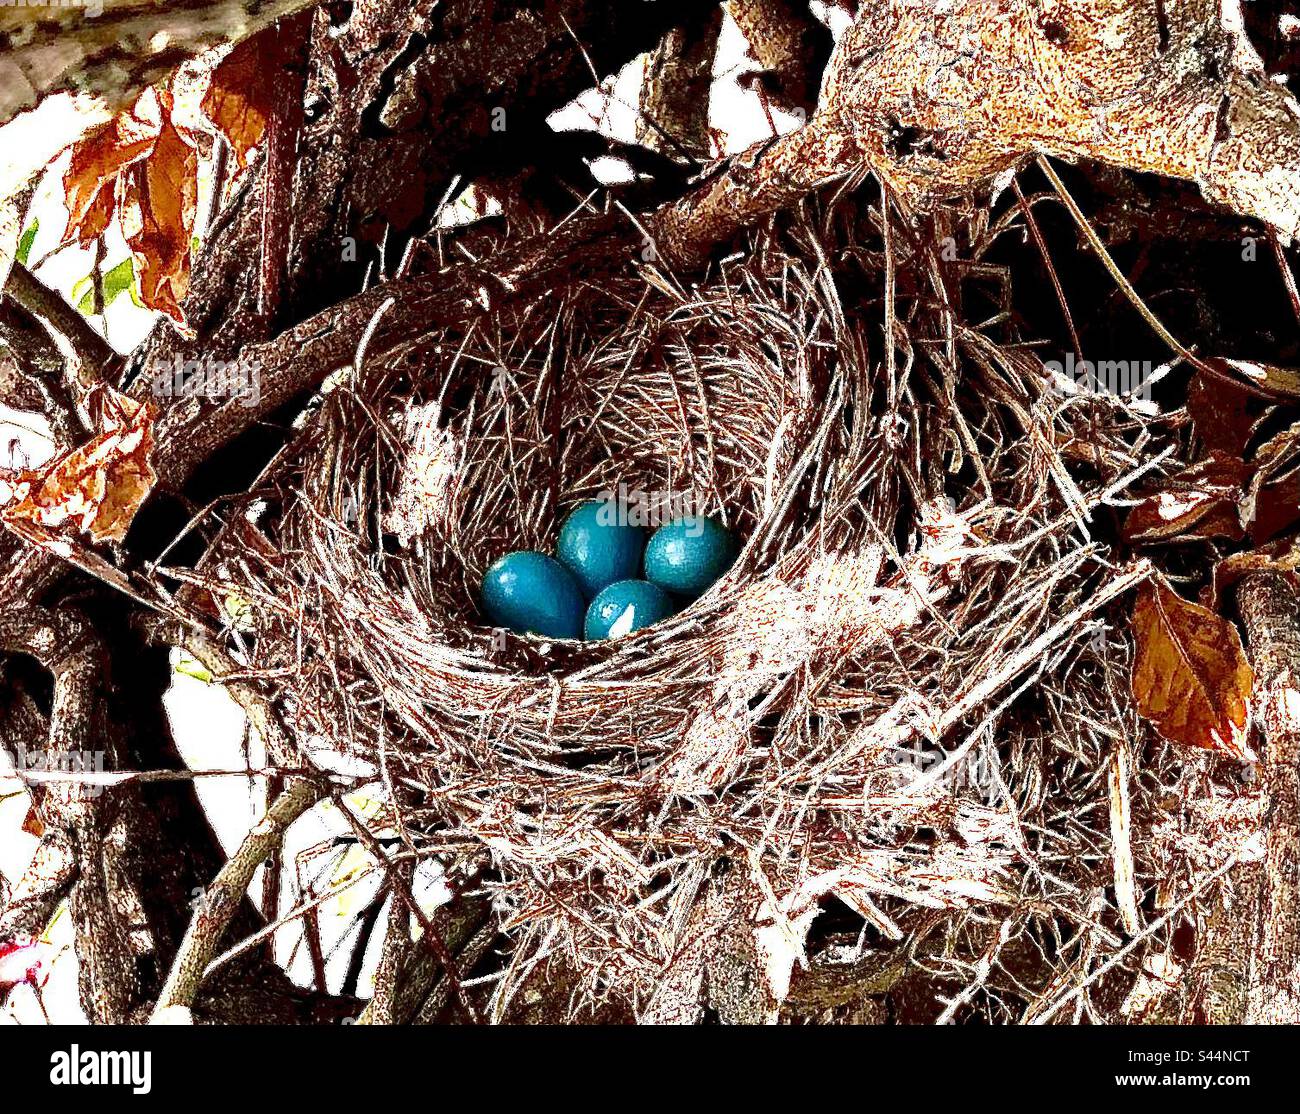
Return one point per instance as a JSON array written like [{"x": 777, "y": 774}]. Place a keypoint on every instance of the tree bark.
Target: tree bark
[
  {"x": 1270, "y": 607},
  {"x": 117, "y": 54}
]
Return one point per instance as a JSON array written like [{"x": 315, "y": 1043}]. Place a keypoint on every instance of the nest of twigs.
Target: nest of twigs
[{"x": 883, "y": 741}]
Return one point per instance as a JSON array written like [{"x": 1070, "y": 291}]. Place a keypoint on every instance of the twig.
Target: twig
[
  {"x": 430, "y": 937},
  {"x": 1037, "y": 234},
  {"x": 36, "y": 356},
  {"x": 221, "y": 899},
  {"x": 1127, "y": 287},
  {"x": 674, "y": 103},
  {"x": 790, "y": 44},
  {"x": 1123, "y": 953},
  {"x": 46, "y": 883}
]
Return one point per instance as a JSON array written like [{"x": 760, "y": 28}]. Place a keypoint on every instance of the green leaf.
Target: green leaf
[
  {"x": 192, "y": 668},
  {"x": 25, "y": 242},
  {"x": 117, "y": 281}
]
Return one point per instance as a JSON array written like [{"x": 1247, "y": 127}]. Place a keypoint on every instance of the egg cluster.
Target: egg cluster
[{"x": 606, "y": 580}]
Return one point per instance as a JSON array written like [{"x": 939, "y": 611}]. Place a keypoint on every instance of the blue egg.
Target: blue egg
[
  {"x": 625, "y": 606},
  {"x": 531, "y": 594},
  {"x": 689, "y": 554},
  {"x": 599, "y": 549}
]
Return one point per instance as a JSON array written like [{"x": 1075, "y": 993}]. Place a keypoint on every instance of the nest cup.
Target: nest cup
[{"x": 475, "y": 444}]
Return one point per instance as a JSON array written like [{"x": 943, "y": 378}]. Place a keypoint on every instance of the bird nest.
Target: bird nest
[{"x": 889, "y": 733}]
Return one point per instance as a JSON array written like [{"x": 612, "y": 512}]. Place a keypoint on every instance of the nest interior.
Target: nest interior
[{"x": 889, "y": 731}]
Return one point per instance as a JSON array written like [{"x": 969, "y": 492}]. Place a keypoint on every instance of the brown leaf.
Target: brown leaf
[
  {"x": 141, "y": 167},
  {"x": 1200, "y": 501},
  {"x": 239, "y": 99},
  {"x": 1272, "y": 498},
  {"x": 158, "y": 217},
  {"x": 1223, "y": 414},
  {"x": 32, "y": 824},
  {"x": 98, "y": 486},
  {"x": 99, "y": 158},
  {"x": 1276, "y": 506},
  {"x": 1269, "y": 379},
  {"x": 1190, "y": 674}
]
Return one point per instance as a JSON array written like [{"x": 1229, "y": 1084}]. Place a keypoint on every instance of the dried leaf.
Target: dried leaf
[
  {"x": 1277, "y": 507},
  {"x": 140, "y": 166},
  {"x": 1190, "y": 674},
  {"x": 32, "y": 824},
  {"x": 98, "y": 486},
  {"x": 1200, "y": 501},
  {"x": 1223, "y": 414},
  {"x": 239, "y": 99},
  {"x": 1275, "y": 381},
  {"x": 99, "y": 159},
  {"x": 158, "y": 217}
]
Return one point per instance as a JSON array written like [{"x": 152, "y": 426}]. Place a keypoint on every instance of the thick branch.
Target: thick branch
[
  {"x": 131, "y": 45},
  {"x": 460, "y": 924},
  {"x": 104, "y": 903},
  {"x": 675, "y": 91},
  {"x": 1270, "y": 607},
  {"x": 944, "y": 98},
  {"x": 761, "y": 181},
  {"x": 95, "y": 356},
  {"x": 37, "y": 380},
  {"x": 143, "y": 850},
  {"x": 393, "y": 956},
  {"x": 302, "y": 358},
  {"x": 791, "y": 46}
]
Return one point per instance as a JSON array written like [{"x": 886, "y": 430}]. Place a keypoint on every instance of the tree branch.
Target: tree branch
[
  {"x": 674, "y": 104},
  {"x": 223, "y": 896},
  {"x": 95, "y": 356},
  {"x": 1270, "y": 607},
  {"x": 131, "y": 45},
  {"x": 40, "y": 383},
  {"x": 47, "y": 881},
  {"x": 461, "y": 924},
  {"x": 790, "y": 44}
]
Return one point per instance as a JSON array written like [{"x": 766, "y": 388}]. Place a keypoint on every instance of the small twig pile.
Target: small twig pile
[{"x": 908, "y": 696}]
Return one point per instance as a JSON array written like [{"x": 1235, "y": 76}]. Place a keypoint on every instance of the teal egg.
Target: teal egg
[
  {"x": 689, "y": 554},
  {"x": 532, "y": 594},
  {"x": 625, "y": 606},
  {"x": 597, "y": 548}
]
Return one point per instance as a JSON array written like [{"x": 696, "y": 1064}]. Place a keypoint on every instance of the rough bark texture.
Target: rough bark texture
[
  {"x": 675, "y": 92},
  {"x": 946, "y": 100},
  {"x": 142, "y": 852},
  {"x": 790, "y": 45},
  {"x": 114, "y": 55},
  {"x": 1270, "y": 608}
]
